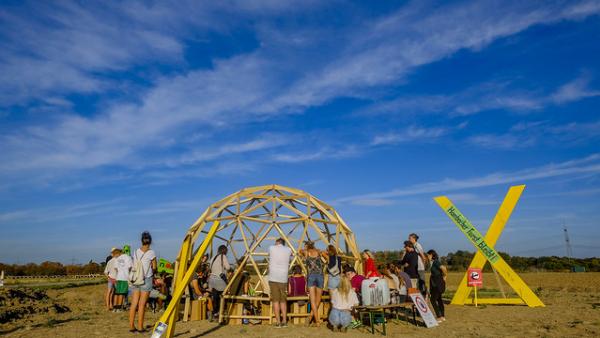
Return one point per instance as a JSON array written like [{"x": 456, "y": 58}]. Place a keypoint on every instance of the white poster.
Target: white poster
[{"x": 424, "y": 310}]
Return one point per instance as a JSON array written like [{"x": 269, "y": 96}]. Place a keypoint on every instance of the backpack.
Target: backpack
[
  {"x": 136, "y": 276},
  {"x": 335, "y": 270}
]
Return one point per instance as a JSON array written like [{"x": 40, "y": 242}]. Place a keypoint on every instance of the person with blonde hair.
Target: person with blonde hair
[{"x": 343, "y": 299}]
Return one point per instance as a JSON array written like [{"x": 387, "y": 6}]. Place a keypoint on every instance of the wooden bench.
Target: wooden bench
[{"x": 232, "y": 309}]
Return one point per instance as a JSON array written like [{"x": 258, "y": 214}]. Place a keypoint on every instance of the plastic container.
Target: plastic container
[{"x": 375, "y": 291}]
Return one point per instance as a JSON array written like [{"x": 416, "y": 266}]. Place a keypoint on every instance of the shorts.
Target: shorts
[
  {"x": 146, "y": 287},
  {"x": 122, "y": 287},
  {"x": 333, "y": 282},
  {"x": 216, "y": 283},
  {"x": 111, "y": 283},
  {"x": 278, "y": 292},
  {"x": 315, "y": 280}
]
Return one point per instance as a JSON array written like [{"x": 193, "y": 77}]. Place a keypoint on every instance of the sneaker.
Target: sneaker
[
  {"x": 277, "y": 325},
  {"x": 284, "y": 324}
]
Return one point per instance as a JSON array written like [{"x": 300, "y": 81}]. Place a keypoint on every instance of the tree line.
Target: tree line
[
  {"x": 51, "y": 269},
  {"x": 460, "y": 260}
]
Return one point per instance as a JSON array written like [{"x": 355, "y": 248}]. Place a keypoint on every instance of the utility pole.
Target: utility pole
[{"x": 568, "y": 243}]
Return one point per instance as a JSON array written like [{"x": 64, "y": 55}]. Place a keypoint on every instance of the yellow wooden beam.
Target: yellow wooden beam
[
  {"x": 183, "y": 282},
  {"x": 491, "y": 237},
  {"x": 488, "y": 251}
]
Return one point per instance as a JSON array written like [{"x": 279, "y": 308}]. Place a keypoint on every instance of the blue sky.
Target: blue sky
[{"x": 119, "y": 117}]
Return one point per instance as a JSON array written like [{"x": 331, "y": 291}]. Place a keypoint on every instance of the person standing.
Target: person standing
[
  {"x": 315, "y": 279},
  {"x": 343, "y": 299},
  {"x": 111, "y": 274},
  {"x": 123, "y": 266},
  {"x": 437, "y": 284},
  {"x": 140, "y": 295},
  {"x": 217, "y": 279},
  {"x": 413, "y": 238},
  {"x": 334, "y": 267},
  {"x": 279, "y": 266},
  {"x": 410, "y": 262}
]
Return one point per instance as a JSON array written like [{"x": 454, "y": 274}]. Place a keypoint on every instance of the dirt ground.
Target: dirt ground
[{"x": 572, "y": 310}]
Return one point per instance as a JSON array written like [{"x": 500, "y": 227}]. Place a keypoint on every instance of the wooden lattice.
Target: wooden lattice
[{"x": 251, "y": 219}]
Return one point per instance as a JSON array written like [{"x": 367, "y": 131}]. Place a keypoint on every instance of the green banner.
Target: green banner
[
  {"x": 165, "y": 266},
  {"x": 472, "y": 234}
]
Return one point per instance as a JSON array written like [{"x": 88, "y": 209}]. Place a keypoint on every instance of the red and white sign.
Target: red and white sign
[
  {"x": 475, "y": 277},
  {"x": 424, "y": 309}
]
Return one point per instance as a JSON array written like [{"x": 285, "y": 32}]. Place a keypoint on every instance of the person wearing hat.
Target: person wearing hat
[{"x": 111, "y": 273}]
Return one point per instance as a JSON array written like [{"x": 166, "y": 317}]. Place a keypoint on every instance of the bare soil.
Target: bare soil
[{"x": 572, "y": 310}]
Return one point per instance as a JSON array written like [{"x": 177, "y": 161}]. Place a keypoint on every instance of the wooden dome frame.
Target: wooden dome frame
[{"x": 248, "y": 222}]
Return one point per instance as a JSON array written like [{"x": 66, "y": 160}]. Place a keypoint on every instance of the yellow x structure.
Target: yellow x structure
[{"x": 486, "y": 252}]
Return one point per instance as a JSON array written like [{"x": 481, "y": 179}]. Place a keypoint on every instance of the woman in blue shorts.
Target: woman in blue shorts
[
  {"x": 313, "y": 260},
  {"x": 140, "y": 293}
]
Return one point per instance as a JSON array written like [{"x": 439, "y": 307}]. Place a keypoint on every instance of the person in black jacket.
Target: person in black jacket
[
  {"x": 410, "y": 262},
  {"x": 437, "y": 284}
]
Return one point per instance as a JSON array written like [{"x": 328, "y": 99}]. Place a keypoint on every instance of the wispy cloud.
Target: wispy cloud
[
  {"x": 410, "y": 134},
  {"x": 528, "y": 134},
  {"x": 487, "y": 96},
  {"x": 234, "y": 90},
  {"x": 590, "y": 164}
]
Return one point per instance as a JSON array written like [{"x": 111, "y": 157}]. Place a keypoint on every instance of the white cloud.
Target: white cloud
[
  {"x": 586, "y": 165},
  {"x": 410, "y": 134},
  {"x": 248, "y": 87},
  {"x": 486, "y": 96},
  {"x": 528, "y": 134}
]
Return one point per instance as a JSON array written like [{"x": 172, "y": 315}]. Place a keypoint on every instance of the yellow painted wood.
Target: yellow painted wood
[
  {"x": 184, "y": 281},
  {"x": 511, "y": 277},
  {"x": 491, "y": 237}
]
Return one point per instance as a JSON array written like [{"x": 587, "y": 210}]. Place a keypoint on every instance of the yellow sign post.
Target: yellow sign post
[{"x": 486, "y": 252}]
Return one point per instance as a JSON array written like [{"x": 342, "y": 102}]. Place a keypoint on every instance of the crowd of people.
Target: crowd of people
[
  {"x": 133, "y": 281},
  {"x": 344, "y": 284}
]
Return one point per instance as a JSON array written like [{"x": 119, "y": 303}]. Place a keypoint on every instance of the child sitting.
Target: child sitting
[
  {"x": 297, "y": 283},
  {"x": 343, "y": 299}
]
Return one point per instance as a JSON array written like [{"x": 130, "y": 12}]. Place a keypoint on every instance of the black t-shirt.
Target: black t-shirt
[{"x": 412, "y": 258}]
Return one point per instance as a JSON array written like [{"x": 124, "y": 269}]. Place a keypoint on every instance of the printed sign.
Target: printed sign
[
  {"x": 475, "y": 277},
  {"x": 165, "y": 266},
  {"x": 424, "y": 309},
  {"x": 472, "y": 234}
]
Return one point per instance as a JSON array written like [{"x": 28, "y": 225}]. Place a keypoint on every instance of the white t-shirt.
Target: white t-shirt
[
  {"x": 338, "y": 302},
  {"x": 124, "y": 264},
  {"x": 396, "y": 281},
  {"x": 111, "y": 268},
  {"x": 146, "y": 258},
  {"x": 216, "y": 268},
  {"x": 419, "y": 251},
  {"x": 279, "y": 263}
]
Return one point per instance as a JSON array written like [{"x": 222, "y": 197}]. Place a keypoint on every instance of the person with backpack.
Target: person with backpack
[
  {"x": 144, "y": 265},
  {"x": 334, "y": 267},
  {"x": 217, "y": 279}
]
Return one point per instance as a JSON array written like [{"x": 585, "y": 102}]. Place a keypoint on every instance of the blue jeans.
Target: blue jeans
[
  {"x": 339, "y": 318},
  {"x": 315, "y": 280},
  {"x": 146, "y": 287},
  {"x": 333, "y": 282}
]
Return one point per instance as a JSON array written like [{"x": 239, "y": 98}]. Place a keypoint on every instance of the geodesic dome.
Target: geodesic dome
[{"x": 251, "y": 219}]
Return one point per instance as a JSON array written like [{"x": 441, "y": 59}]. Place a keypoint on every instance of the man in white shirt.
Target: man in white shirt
[
  {"x": 279, "y": 265},
  {"x": 421, "y": 264}
]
